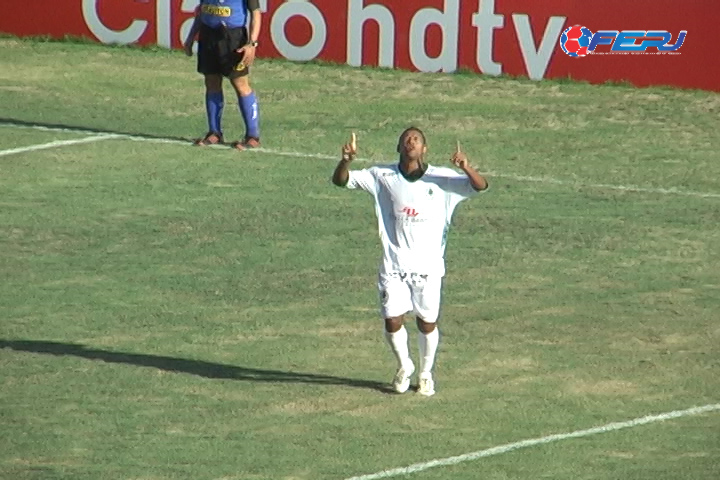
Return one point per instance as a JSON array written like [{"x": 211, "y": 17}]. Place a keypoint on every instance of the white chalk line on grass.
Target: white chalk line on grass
[
  {"x": 622, "y": 188},
  {"x": 320, "y": 156},
  {"x": 57, "y": 143},
  {"x": 509, "y": 447}
]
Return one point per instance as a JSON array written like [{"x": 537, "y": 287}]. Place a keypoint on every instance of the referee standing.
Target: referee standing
[{"x": 227, "y": 32}]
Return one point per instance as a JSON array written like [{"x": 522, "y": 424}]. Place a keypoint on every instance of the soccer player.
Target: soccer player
[
  {"x": 227, "y": 49},
  {"x": 414, "y": 203}
]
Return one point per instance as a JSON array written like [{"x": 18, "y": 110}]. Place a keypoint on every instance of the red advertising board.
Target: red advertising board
[{"x": 516, "y": 37}]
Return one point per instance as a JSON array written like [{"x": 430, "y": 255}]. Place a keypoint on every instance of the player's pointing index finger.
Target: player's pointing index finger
[{"x": 353, "y": 141}]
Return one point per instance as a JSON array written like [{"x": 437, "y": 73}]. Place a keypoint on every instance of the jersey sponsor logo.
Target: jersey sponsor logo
[
  {"x": 411, "y": 216},
  {"x": 410, "y": 212},
  {"x": 216, "y": 10}
]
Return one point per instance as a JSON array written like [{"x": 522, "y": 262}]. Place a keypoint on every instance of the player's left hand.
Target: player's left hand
[
  {"x": 349, "y": 150},
  {"x": 459, "y": 159},
  {"x": 248, "y": 54}
]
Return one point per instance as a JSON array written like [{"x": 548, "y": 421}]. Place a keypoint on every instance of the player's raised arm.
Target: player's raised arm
[
  {"x": 349, "y": 151},
  {"x": 460, "y": 160}
]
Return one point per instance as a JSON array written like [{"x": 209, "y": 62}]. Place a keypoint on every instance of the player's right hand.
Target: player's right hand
[
  {"x": 349, "y": 150},
  {"x": 188, "y": 49}
]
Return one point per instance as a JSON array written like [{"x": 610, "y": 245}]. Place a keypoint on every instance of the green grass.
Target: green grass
[{"x": 169, "y": 312}]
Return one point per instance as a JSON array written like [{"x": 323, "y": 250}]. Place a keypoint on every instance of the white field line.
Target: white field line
[
  {"x": 509, "y": 447},
  {"x": 58, "y": 143},
  {"x": 622, "y": 188},
  {"x": 320, "y": 156}
]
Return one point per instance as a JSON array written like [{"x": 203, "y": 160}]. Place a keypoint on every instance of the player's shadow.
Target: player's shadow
[
  {"x": 83, "y": 129},
  {"x": 193, "y": 367}
]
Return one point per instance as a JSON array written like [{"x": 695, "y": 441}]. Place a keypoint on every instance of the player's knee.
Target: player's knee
[
  {"x": 425, "y": 327},
  {"x": 213, "y": 83},
  {"x": 242, "y": 86},
  {"x": 393, "y": 324}
]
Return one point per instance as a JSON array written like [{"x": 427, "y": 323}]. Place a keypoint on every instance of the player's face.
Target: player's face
[{"x": 411, "y": 145}]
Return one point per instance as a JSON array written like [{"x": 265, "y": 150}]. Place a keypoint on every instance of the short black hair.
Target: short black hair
[{"x": 413, "y": 129}]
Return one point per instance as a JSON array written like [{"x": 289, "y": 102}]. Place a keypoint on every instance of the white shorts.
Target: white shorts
[{"x": 410, "y": 292}]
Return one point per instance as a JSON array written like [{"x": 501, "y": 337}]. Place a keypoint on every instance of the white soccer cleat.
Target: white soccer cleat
[
  {"x": 401, "y": 382},
  {"x": 426, "y": 385}
]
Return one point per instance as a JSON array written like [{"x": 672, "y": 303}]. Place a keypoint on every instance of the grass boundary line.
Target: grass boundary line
[
  {"x": 58, "y": 143},
  {"x": 320, "y": 156},
  {"x": 509, "y": 447}
]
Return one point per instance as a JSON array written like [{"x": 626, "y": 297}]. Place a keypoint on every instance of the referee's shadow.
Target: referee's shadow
[
  {"x": 84, "y": 129},
  {"x": 193, "y": 367}
]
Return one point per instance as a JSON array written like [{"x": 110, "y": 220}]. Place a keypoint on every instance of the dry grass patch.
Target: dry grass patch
[
  {"x": 624, "y": 455},
  {"x": 314, "y": 405},
  {"x": 602, "y": 387},
  {"x": 347, "y": 329}
]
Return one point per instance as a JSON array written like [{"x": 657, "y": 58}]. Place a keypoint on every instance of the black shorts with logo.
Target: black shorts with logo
[{"x": 216, "y": 51}]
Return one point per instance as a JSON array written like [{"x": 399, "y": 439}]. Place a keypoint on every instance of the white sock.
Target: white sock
[
  {"x": 398, "y": 342},
  {"x": 428, "y": 344}
]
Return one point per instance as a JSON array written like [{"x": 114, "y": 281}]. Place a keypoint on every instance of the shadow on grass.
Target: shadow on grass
[
  {"x": 183, "y": 365},
  {"x": 83, "y": 129}
]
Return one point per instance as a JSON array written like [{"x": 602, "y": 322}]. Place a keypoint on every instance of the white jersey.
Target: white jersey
[{"x": 413, "y": 215}]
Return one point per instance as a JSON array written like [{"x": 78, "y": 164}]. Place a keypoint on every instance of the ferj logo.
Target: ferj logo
[
  {"x": 575, "y": 41},
  {"x": 579, "y": 41}
]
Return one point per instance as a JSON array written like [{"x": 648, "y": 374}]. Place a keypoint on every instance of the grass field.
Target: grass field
[{"x": 169, "y": 312}]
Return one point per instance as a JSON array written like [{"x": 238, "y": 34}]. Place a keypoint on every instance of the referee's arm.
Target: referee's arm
[{"x": 255, "y": 20}]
